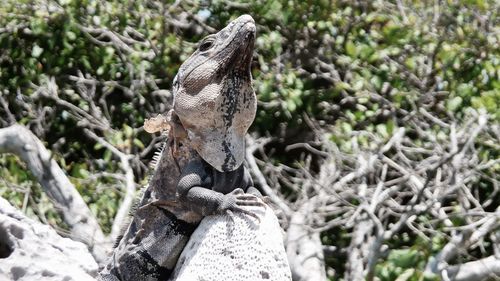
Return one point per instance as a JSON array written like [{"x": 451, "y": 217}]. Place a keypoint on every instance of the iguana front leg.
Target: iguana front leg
[{"x": 194, "y": 191}]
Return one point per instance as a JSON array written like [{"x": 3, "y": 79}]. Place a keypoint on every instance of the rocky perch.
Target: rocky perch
[
  {"x": 235, "y": 247},
  {"x": 31, "y": 251}
]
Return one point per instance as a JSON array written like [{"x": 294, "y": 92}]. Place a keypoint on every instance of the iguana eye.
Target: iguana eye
[
  {"x": 175, "y": 83},
  {"x": 207, "y": 44}
]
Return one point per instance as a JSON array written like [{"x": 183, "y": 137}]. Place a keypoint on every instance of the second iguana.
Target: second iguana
[{"x": 200, "y": 171}]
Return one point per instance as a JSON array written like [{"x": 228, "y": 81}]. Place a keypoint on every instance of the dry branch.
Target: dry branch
[
  {"x": 129, "y": 196},
  {"x": 83, "y": 225},
  {"x": 304, "y": 247}
]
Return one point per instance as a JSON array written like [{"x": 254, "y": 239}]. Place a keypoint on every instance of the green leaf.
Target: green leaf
[
  {"x": 138, "y": 143},
  {"x": 406, "y": 275},
  {"x": 71, "y": 35},
  {"x": 382, "y": 130},
  {"x": 291, "y": 105},
  {"x": 36, "y": 51},
  {"x": 350, "y": 49},
  {"x": 404, "y": 258},
  {"x": 128, "y": 131},
  {"x": 454, "y": 103}
]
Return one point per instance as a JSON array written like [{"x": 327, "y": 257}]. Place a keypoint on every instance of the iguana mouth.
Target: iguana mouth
[{"x": 247, "y": 46}]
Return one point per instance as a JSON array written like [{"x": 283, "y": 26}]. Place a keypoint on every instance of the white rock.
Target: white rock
[
  {"x": 31, "y": 251},
  {"x": 235, "y": 247}
]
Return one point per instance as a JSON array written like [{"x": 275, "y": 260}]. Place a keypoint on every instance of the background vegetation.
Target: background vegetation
[{"x": 339, "y": 76}]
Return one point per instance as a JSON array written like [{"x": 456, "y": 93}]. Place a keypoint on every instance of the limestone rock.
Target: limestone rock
[
  {"x": 31, "y": 251},
  {"x": 235, "y": 247}
]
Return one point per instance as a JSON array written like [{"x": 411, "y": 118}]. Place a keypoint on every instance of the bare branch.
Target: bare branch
[
  {"x": 254, "y": 168},
  {"x": 483, "y": 269},
  {"x": 128, "y": 198},
  {"x": 83, "y": 225}
]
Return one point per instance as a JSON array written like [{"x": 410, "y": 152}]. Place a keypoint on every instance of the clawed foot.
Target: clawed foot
[{"x": 237, "y": 200}]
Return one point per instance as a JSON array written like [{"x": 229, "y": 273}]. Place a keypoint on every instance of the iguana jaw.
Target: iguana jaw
[{"x": 213, "y": 96}]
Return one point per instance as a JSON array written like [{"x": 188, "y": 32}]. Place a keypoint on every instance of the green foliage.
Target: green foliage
[
  {"x": 358, "y": 67},
  {"x": 401, "y": 264},
  {"x": 21, "y": 189}
]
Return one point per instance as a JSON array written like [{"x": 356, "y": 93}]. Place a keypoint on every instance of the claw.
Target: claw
[
  {"x": 250, "y": 203},
  {"x": 247, "y": 197},
  {"x": 250, "y": 213},
  {"x": 237, "y": 191},
  {"x": 236, "y": 200}
]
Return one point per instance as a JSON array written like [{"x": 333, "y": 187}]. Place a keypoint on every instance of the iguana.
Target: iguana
[{"x": 200, "y": 171}]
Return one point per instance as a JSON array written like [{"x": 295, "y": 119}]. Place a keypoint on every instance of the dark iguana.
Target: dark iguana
[{"x": 200, "y": 171}]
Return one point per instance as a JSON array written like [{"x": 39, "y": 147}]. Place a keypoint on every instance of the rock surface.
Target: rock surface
[
  {"x": 31, "y": 251},
  {"x": 235, "y": 247}
]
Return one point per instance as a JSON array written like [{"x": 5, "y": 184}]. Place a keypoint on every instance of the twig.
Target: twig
[{"x": 128, "y": 198}]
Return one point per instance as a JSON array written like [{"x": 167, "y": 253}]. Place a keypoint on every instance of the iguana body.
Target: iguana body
[{"x": 200, "y": 171}]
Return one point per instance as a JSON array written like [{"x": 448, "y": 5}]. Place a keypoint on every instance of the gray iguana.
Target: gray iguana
[{"x": 200, "y": 171}]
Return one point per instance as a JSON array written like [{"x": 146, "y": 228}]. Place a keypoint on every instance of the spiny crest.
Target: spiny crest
[
  {"x": 136, "y": 203},
  {"x": 120, "y": 237},
  {"x": 156, "y": 157}
]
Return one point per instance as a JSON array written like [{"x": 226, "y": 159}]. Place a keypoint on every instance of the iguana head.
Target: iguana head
[{"x": 213, "y": 95}]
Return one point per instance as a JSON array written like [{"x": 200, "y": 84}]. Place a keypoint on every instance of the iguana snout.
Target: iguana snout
[{"x": 213, "y": 95}]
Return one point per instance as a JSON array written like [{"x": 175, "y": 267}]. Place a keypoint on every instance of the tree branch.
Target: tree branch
[
  {"x": 83, "y": 225},
  {"x": 128, "y": 199}
]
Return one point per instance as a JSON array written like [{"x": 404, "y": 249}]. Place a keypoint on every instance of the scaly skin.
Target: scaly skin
[
  {"x": 200, "y": 173},
  {"x": 207, "y": 191}
]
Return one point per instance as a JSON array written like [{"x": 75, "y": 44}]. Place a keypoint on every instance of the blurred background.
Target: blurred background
[{"x": 377, "y": 126}]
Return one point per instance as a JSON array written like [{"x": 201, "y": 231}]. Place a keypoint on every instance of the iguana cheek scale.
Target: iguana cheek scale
[
  {"x": 214, "y": 105},
  {"x": 214, "y": 99}
]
